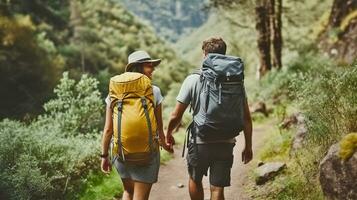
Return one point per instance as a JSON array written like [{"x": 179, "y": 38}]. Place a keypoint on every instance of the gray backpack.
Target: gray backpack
[{"x": 221, "y": 100}]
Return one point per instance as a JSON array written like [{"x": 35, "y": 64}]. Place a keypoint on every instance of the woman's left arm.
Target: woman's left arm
[{"x": 160, "y": 128}]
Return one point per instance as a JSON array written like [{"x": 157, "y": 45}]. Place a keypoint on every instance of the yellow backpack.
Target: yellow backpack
[{"x": 134, "y": 122}]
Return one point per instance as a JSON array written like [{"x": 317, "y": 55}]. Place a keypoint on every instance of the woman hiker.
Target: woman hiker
[{"x": 137, "y": 179}]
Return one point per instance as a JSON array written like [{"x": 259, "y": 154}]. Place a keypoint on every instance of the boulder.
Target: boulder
[
  {"x": 301, "y": 131},
  {"x": 338, "y": 178},
  {"x": 288, "y": 122},
  {"x": 260, "y": 107},
  {"x": 268, "y": 171},
  {"x": 299, "y": 137}
]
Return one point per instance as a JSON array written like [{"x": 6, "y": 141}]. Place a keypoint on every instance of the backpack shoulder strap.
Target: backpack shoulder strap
[{"x": 197, "y": 71}]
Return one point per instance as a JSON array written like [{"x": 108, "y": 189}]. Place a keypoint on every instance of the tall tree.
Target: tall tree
[
  {"x": 263, "y": 30},
  {"x": 76, "y": 22},
  {"x": 268, "y": 15},
  {"x": 276, "y": 35},
  {"x": 27, "y": 71}
]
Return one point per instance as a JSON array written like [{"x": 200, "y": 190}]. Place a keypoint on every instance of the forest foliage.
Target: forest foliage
[
  {"x": 41, "y": 39},
  {"x": 51, "y": 157},
  {"x": 56, "y": 58}
]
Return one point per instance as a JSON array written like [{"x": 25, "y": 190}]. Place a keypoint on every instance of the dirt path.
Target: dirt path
[{"x": 175, "y": 172}]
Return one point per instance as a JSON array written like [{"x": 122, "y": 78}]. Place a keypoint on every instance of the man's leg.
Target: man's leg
[
  {"x": 197, "y": 167},
  {"x": 217, "y": 193},
  {"x": 220, "y": 169},
  {"x": 195, "y": 189}
]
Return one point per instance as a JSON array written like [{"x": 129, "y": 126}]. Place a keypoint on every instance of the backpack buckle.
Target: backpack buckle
[
  {"x": 120, "y": 105},
  {"x": 143, "y": 101}
]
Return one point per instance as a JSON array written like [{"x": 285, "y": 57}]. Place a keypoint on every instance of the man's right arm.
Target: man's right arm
[
  {"x": 175, "y": 119},
  {"x": 184, "y": 99}
]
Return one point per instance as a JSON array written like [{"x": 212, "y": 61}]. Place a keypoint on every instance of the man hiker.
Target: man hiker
[{"x": 218, "y": 100}]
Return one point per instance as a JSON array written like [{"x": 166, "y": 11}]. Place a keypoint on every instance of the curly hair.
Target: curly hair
[{"x": 214, "y": 45}]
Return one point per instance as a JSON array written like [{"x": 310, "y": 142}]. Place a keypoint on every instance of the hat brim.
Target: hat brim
[{"x": 155, "y": 63}]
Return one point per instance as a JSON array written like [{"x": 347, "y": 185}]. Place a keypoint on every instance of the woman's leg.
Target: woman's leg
[
  {"x": 141, "y": 190},
  {"x": 128, "y": 188}
]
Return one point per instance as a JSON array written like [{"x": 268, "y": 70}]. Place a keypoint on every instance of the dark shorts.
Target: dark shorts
[{"x": 217, "y": 157}]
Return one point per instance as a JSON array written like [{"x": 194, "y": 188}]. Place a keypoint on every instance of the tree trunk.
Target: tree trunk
[
  {"x": 75, "y": 19},
  {"x": 341, "y": 45},
  {"x": 340, "y": 9},
  {"x": 76, "y": 22},
  {"x": 263, "y": 30},
  {"x": 276, "y": 26}
]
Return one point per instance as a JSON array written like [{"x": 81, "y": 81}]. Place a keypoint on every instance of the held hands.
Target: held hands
[
  {"x": 165, "y": 145},
  {"x": 170, "y": 140}
]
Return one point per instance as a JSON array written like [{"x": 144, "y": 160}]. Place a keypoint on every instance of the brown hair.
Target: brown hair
[
  {"x": 214, "y": 45},
  {"x": 138, "y": 67}
]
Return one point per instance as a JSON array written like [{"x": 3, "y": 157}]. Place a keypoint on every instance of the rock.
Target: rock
[
  {"x": 180, "y": 185},
  {"x": 301, "y": 131},
  {"x": 333, "y": 52},
  {"x": 288, "y": 122},
  {"x": 299, "y": 137},
  {"x": 260, "y": 107},
  {"x": 337, "y": 177},
  {"x": 294, "y": 119},
  {"x": 260, "y": 163},
  {"x": 268, "y": 171}
]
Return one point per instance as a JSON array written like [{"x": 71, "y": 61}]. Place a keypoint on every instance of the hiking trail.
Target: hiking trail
[{"x": 174, "y": 172}]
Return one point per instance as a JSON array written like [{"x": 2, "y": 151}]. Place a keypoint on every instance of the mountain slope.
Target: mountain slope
[{"x": 171, "y": 19}]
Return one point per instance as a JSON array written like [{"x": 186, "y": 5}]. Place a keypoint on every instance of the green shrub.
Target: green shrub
[
  {"x": 326, "y": 95},
  {"x": 278, "y": 85},
  {"x": 50, "y": 157},
  {"x": 80, "y": 104},
  {"x": 329, "y": 101}
]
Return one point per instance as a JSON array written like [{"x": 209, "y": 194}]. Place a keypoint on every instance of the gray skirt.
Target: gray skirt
[{"x": 145, "y": 174}]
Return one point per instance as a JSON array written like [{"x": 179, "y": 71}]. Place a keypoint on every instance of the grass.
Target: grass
[
  {"x": 298, "y": 181},
  {"x": 101, "y": 187},
  {"x": 277, "y": 147}
]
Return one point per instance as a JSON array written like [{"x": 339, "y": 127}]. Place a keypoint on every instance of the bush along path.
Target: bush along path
[{"x": 173, "y": 177}]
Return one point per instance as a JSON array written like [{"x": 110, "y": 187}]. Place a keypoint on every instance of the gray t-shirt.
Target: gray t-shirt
[
  {"x": 158, "y": 98},
  {"x": 189, "y": 94}
]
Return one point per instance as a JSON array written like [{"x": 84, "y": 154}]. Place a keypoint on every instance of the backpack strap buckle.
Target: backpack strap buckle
[
  {"x": 120, "y": 109},
  {"x": 143, "y": 101},
  {"x": 120, "y": 105},
  {"x": 151, "y": 139}
]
